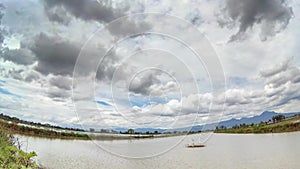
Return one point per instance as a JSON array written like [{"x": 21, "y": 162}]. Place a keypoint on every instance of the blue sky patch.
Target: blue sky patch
[
  {"x": 2, "y": 82},
  {"x": 6, "y": 92},
  {"x": 103, "y": 103}
]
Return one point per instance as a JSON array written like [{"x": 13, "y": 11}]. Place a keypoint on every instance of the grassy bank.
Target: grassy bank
[
  {"x": 14, "y": 125},
  {"x": 13, "y": 128},
  {"x": 11, "y": 157},
  {"x": 288, "y": 125}
]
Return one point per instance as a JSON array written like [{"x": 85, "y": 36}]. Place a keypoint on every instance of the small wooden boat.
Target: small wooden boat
[{"x": 195, "y": 145}]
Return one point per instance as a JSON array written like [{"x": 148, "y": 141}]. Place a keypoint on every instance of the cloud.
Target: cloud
[
  {"x": 15, "y": 74},
  {"x": 91, "y": 10},
  {"x": 31, "y": 76},
  {"x": 18, "y": 56},
  {"x": 276, "y": 69},
  {"x": 272, "y": 16},
  {"x": 140, "y": 85},
  {"x": 163, "y": 89},
  {"x": 1, "y": 29},
  {"x": 61, "y": 82},
  {"x": 58, "y": 14},
  {"x": 57, "y": 55},
  {"x": 54, "y": 54},
  {"x": 58, "y": 94},
  {"x": 125, "y": 27},
  {"x": 86, "y": 10}
]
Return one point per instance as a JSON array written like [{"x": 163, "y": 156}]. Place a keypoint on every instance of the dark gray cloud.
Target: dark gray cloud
[
  {"x": 91, "y": 10},
  {"x": 272, "y": 15},
  {"x": 31, "y": 76},
  {"x": 126, "y": 27},
  {"x": 54, "y": 54},
  {"x": 141, "y": 84},
  {"x": 1, "y": 11},
  {"x": 57, "y": 94},
  {"x": 1, "y": 38},
  {"x": 1, "y": 29},
  {"x": 85, "y": 9},
  {"x": 58, "y": 14},
  {"x": 18, "y": 56},
  {"x": 61, "y": 82},
  {"x": 15, "y": 74}
]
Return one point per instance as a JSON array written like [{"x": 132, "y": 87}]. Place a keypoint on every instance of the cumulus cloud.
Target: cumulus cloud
[
  {"x": 58, "y": 94},
  {"x": 161, "y": 89},
  {"x": 18, "y": 56},
  {"x": 91, "y": 10},
  {"x": 31, "y": 76},
  {"x": 61, "y": 82},
  {"x": 58, "y": 14},
  {"x": 151, "y": 84},
  {"x": 16, "y": 74},
  {"x": 55, "y": 55},
  {"x": 276, "y": 69},
  {"x": 86, "y": 10},
  {"x": 279, "y": 89},
  {"x": 271, "y": 15},
  {"x": 141, "y": 84},
  {"x": 125, "y": 27}
]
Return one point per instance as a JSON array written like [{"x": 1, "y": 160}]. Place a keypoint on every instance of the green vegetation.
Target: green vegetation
[
  {"x": 17, "y": 120},
  {"x": 12, "y": 157},
  {"x": 13, "y": 128},
  {"x": 279, "y": 124},
  {"x": 13, "y": 125},
  {"x": 130, "y": 131}
]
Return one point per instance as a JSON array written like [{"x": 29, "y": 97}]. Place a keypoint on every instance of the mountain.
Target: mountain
[{"x": 265, "y": 116}]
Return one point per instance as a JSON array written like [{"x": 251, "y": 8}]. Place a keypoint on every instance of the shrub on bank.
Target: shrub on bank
[{"x": 13, "y": 157}]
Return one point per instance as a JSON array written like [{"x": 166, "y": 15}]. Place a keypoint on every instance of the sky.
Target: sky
[{"x": 157, "y": 63}]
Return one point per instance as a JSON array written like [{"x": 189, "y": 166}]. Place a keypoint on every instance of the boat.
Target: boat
[{"x": 195, "y": 145}]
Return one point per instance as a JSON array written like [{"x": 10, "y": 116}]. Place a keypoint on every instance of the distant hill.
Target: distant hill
[{"x": 265, "y": 116}]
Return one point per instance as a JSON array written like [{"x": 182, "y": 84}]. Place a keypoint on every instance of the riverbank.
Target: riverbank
[
  {"x": 289, "y": 125},
  {"x": 12, "y": 157},
  {"x": 34, "y": 131},
  {"x": 13, "y": 128}
]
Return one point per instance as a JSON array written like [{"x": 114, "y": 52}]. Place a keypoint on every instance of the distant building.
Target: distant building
[{"x": 92, "y": 130}]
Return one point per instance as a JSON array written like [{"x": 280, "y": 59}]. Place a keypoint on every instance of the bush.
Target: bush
[{"x": 13, "y": 157}]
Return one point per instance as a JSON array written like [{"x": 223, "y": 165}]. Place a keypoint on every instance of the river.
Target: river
[{"x": 226, "y": 151}]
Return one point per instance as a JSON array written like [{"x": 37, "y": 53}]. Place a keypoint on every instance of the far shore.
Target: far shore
[
  {"x": 13, "y": 128},
  {"x": 291, "y": 124}
]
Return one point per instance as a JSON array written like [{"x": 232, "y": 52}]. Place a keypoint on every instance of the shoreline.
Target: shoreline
[
  {"x": 285, "y": 126},
  {"x": 15, "y": 129}
]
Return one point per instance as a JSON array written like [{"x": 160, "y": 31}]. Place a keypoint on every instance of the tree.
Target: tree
[
  {"x": 278, "y": 118},
  {"x": 130, "y": 131}
]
